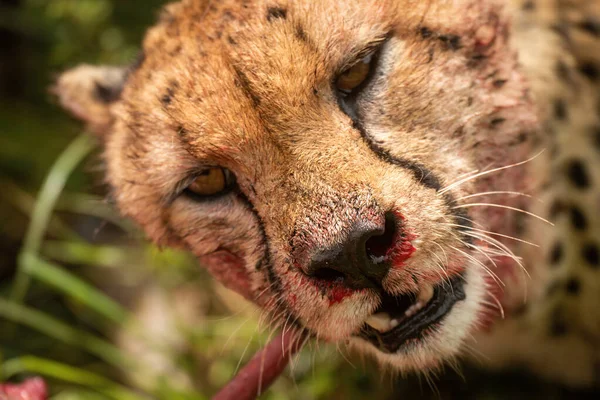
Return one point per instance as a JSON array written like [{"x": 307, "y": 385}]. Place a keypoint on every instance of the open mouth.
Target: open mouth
[{"x": 405, "y": 318}]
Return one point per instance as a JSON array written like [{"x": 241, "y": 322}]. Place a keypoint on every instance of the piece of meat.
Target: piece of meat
[
  {"x": 31, "y": 389},
  {"x": 263, "y": 369}
]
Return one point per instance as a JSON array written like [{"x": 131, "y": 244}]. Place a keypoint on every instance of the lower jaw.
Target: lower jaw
[{"x": 417, "y": 328}]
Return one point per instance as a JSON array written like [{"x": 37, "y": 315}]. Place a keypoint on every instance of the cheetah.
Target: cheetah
[{"x": 417, "y": 179}]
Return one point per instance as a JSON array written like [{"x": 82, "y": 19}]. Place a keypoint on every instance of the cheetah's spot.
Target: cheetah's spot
[
  {"x": 591, "y": 254},
  {"x": 578, "y": 174}
]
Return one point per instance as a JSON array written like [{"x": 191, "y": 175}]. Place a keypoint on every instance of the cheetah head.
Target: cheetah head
[{"x": 321, "y": 158}]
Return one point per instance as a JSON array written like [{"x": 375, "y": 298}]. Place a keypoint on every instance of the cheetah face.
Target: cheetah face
[{"x": 318, "y": 158}]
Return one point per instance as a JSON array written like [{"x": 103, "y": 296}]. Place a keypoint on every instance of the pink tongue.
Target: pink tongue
[{"x": 263, "y": 369}]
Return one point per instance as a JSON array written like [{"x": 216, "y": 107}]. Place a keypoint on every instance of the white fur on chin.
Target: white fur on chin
[{"x": 449, "y": 337}]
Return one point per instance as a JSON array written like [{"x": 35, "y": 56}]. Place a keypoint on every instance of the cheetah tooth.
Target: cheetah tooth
[
  {"x": 412, "y": 310},
  {"x": 425, "y": 294},
  {"x": 380, "y": 322}
]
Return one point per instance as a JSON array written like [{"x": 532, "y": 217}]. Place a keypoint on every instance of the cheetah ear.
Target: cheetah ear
[{"x": 88, "y": 92}]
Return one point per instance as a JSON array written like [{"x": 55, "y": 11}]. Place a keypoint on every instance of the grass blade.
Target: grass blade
[
  {"x": 42, "y": 213},
  {"x": 67, "y": 373},
  {"x": 24, "y": 202},
  {"x": 75, "y": 287},
  {"x": 62, "y": 332},
  {"x": 81, "y": 253}
]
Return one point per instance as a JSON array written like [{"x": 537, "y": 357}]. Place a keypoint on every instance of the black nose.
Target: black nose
[{"x": 361, "y": 260}]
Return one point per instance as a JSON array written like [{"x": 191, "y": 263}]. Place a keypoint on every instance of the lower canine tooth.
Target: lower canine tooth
[
  {"x": 394, "y": 323},
  {"x": 425, "y": 294},
  {"x": 380, "y": 321}
]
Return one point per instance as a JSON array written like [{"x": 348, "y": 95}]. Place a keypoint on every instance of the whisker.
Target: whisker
[
  {"x": 505, "y": 251},
  {"x": 485, "y": 268},
  {"x": 337, "y": 346},
  {"x": 297, "y": 342},
  {"x": 457, "y": 368},
  {"x": 262, "y": 366},
  {"x": 469, "y": 220},
  {"x": 493, "y": 252},
  {"x": 493, "y": 233},
  {"x": 480, "y": 174},
  {"x": 494, "y": 193},
  {"x": 480, "y": 250},
  {"x": 476, "y": 248},
  {"x": 443, "y": 252},
  {"x": 505, "y": 207},
  {"x": 479, "y": 356},
  {"x": 284, "y": 330},
  {"x": 237, "y": 367},
  {"x": 467, "y": 174},
  {"x": 234, "y": 333},
  {"x": 497, "y": 304},
  {"x": 440, "y": 264}
]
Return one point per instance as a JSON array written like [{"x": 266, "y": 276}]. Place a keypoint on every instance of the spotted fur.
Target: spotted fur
[{"x": 556, "y": 332}]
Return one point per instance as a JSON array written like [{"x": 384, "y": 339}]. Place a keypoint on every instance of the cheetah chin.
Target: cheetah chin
[{"x": 421, "y": 332}]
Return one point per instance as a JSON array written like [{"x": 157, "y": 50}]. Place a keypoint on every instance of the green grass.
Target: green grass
[{"x": 43, "y": 210}]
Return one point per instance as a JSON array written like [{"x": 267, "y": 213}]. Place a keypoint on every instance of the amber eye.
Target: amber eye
[
  {"x": 211, "y": 181},
  {"x": 354, "y": 76}
]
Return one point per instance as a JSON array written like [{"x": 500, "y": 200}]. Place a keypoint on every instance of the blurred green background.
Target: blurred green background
[{"x": 84, "y": 300}]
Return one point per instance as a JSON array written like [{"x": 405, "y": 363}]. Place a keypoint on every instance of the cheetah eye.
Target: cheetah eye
[
  {"x": 212, "y": 181},
  {"x": 352, "y": 78}
]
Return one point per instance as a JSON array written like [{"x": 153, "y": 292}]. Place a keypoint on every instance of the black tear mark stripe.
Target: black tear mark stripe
[
  {"x": 266, "y": 262},
  {"x": 424, "y": 176}
]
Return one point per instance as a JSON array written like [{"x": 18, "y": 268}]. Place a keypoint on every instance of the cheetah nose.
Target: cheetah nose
[{"x": 361, "y": 260}]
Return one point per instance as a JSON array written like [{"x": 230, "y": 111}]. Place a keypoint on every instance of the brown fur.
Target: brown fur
[{"x": 247, "y": 85}]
